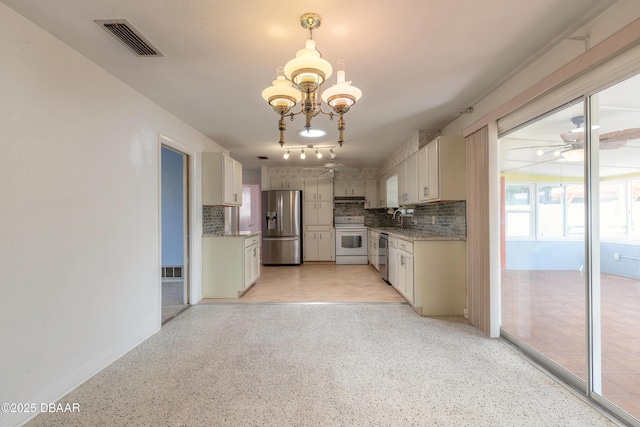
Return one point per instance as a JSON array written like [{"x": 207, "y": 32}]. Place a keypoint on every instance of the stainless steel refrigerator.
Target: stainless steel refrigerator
[{"x": 281, "y": 227}]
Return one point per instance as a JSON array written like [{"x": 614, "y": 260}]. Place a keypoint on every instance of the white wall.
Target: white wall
[{"x": 79, "y": 210}]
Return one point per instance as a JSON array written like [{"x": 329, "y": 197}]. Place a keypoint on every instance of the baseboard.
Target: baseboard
[{"x": 85, "y": 372}]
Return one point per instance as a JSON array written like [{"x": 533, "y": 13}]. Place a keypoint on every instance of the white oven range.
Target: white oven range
[{"x": 351, "y": 240}]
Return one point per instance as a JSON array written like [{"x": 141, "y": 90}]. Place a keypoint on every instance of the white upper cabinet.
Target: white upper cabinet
[
  {"x": 318, "y": 213},
  {"x": 392, "y": 194},
  {"x": 370, "y": 194},
  {"x": 442, "y": 170},
  {"x": 382, "y": 192},
  {"x": 318, "y": 190},
  {"x": 351, "y": 188},
  {"x": 285, "y": 184},
  {"x": 221, "y": 180},
  {"x": 411, "y": 180}
]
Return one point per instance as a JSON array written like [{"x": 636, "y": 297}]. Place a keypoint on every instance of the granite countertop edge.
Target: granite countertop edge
[
  {"x": 239, "y": 234},
  {"x": 415, "y": 235}
]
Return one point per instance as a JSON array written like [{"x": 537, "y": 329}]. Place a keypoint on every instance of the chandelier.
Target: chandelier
[{"x": 301, "y": 80}]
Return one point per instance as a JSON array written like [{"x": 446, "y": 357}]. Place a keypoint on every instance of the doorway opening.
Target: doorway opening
[{"x": 175, "y": 225}]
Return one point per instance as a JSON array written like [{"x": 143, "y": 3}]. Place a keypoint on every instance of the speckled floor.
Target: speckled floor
[{"x": 321, "y": 365}]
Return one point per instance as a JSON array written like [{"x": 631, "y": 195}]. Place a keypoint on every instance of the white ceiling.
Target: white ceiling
[{"x": 418, "y": 62}]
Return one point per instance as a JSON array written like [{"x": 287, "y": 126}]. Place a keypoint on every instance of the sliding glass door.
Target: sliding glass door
[
  {"x": 615, "y": 286},
  {"x": 570, "y": 261},
  {"x": 543, "y": 270}
]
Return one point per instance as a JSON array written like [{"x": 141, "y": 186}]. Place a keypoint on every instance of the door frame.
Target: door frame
[{"x": 190, "y": 219}]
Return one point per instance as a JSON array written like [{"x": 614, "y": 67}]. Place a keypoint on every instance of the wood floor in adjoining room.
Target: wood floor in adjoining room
[
  {"x": 323, "y": 282},
  {"x": 546, "y": 310}
]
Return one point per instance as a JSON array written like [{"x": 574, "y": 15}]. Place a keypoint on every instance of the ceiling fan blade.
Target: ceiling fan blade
[
  {"x": 538, "y": 146},
  {"x": 617, "y": 139},
  {"x": 572, "y": 137}
]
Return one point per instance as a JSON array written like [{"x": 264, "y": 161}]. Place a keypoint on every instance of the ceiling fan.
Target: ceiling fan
[
  {"x": 572, "y": 146},
  {"x": 331, "y": 167}
]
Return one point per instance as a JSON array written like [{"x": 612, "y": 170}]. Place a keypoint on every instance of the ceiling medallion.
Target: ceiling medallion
[{"x": 301, "y": 80}]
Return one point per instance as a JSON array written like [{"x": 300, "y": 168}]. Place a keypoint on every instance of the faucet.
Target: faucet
[{"x": 398, "y": 211}]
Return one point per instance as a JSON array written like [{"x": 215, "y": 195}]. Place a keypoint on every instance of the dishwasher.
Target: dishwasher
[{"x": 383, "y": 256}]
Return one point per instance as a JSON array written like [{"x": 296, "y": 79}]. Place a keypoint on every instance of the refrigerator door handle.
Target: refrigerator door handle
[{"x": 279, "y": 209}]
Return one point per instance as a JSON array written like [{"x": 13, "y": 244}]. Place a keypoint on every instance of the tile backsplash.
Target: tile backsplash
[
  {"x": 450, "y": 217},
  {"x": 213, "y": 220}
]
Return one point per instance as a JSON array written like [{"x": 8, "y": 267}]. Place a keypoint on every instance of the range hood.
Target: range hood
[{"x": 338, "y": 199}]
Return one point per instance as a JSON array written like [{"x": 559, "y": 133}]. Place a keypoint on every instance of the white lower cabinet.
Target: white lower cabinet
[
  {"x": 374, "y": 249},
  {"x": 405, "y": 275},
  {"x": 319, "y": 244},
  {"x": 430, "y": 275},
  {"x": 393, "y": 261},
  {"x": 251, "y": 264},
  {"x": 230, "y": 265}
]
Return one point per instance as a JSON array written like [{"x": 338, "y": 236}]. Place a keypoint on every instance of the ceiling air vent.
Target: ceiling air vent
[{"x": 128, "y": 35}]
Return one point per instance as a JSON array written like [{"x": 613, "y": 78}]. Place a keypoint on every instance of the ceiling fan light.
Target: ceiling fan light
[
  {"x": 576, "y": 155},
  {"x": 581, "y": 129}
]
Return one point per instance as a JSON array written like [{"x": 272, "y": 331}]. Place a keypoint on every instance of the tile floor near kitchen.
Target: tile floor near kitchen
[{"x": 322, "y": 282}]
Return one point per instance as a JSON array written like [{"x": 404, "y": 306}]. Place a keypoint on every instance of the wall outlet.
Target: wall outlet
[
  {"x": 616, "y": 256},
  {"x": 433, "y": 220}
]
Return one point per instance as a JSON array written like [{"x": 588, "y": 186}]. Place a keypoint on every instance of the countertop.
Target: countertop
[
  {"x": 414, "y": 235},
  {"x": 238, "y": 234}
]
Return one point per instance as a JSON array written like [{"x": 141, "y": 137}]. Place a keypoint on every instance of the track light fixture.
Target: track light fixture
[
  {"x": 315, "y": 148},
  {"x": 301, "y": 80}
]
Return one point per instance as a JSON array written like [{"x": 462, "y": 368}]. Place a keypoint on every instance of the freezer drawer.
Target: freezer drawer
[{"x": 281, "y": 250}]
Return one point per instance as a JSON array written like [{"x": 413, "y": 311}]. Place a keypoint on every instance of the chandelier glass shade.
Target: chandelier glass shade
[{"x": 300, "y": 82}]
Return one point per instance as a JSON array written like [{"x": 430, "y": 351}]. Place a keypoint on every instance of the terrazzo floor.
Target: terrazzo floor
[{"x": 321, "y": 365}]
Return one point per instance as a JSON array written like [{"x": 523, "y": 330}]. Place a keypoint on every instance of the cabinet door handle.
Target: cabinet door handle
[{"x": 401, "y": 259}]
